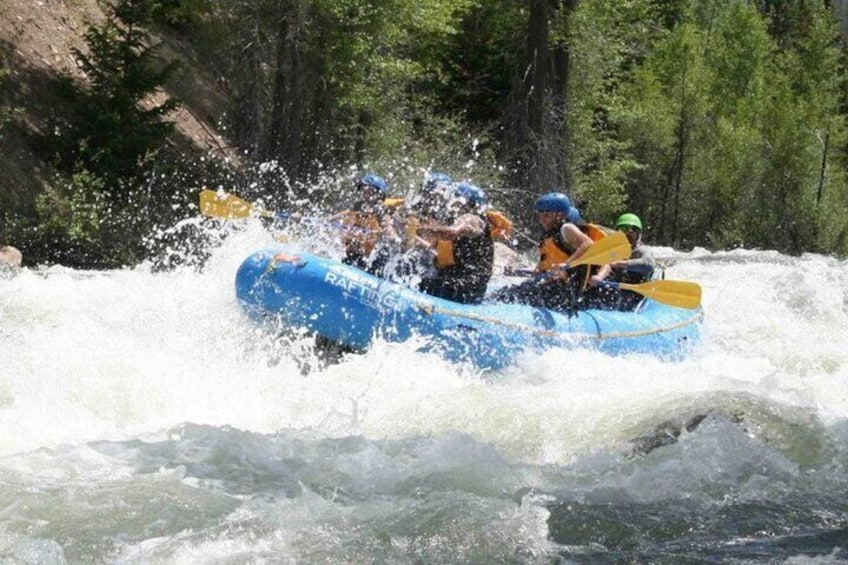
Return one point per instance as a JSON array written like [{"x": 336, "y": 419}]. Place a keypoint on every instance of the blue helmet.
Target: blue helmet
[
  {"x": 436, "y": 179},
  {"x": 472, "y": 194},
  {"x": 373, "y": 181},
  {"x": 553, "y": 202},
  {"x": 574, "y": 216}
]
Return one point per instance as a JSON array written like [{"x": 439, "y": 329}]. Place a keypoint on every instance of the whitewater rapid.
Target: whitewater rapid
[
  {"x": 122, "y": 353},
  {"x": 98, "y": 368}
]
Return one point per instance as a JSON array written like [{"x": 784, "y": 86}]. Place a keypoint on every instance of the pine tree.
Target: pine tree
[{"x": 120, "y": 124}]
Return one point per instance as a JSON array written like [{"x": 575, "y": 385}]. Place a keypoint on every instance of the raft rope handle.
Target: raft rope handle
[{"x": 430, "y": 309}]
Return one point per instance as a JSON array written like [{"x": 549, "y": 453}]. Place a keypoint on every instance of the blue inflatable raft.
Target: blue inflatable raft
[{"x": 349, "y": 306}]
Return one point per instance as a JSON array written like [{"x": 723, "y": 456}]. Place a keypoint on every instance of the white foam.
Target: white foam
[{"x": 119, "y": 354}]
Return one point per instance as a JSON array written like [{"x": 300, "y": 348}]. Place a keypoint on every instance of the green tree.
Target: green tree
[
  {"x": 120, "y": 123},
  {"x": 97, "y": 210},
  {"x": 535, "y": 120},
  {"x": 609, "y": 38},
  {"x": 725, "y": 172},
  {"x": 322, "y": 84},
  {"x": 737, "y": 133},
  {"x": 806, "y": 169}
]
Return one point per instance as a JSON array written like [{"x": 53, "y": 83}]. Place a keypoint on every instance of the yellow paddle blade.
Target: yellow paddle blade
[
  {"x": 393, "y": 201},
  {"x": 682, "y": 294},
  {"x": 228, "y": 206},
  {"x": 613, "y": 247},
  {"x": 410, "y": 232}
]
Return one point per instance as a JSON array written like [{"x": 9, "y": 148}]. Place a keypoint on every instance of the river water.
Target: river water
[{"x": 145, "y": 419}]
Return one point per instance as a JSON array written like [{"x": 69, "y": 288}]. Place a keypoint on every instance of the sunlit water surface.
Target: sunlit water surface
[{"x": 145, "y": 419}]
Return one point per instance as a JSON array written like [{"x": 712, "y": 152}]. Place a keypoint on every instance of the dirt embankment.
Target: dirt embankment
[{"x": 36, "y": 42}]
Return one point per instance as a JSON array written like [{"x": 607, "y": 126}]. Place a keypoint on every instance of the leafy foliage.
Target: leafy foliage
[
  {"x": 722, "y": 123},
  {"x": 113, "y": 140},
  {"x": 729, "y": 129},
  {"x": 120, "y": 126}
]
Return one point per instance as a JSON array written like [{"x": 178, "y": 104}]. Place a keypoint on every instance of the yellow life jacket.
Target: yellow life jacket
[{"x": 360, "y": 241}]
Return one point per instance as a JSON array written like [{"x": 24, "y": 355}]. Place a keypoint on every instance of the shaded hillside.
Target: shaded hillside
[{"x": 36, "y": 42}]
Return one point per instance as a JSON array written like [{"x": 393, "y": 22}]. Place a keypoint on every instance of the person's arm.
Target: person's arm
[
  {"x": 576, "y": 239},
  {"x": 390, "y": 234},
  {"x": 601, "y": 275},
  {"x": 337, "y": 217},
  {"x": 641, "y": 261},
  {"x": 467, "y": 224}
]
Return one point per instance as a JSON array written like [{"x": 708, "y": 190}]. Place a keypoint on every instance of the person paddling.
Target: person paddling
[
  {"x": 463, "y": 247},
  {"x": 639, "y": 268},
  {"x": 429, "y": 203},
  {"x": 414, "y": 260},
  {"x": 562, "y": 241},
  {"x": 367, "y": 228}
]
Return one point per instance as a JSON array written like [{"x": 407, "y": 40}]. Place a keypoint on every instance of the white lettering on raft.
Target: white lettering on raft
[{"x": 362, "y": 289}]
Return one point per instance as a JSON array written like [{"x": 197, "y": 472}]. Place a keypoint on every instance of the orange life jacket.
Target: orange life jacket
[
  {"x": 595, "y": 231},
  {"x": 501, "y": 225},
  {"x": 363, "y": 240},
  {"x": 554, "y": 250},
  {"x": 445, "y": 256},
  {"x": 466, "y": 262}
]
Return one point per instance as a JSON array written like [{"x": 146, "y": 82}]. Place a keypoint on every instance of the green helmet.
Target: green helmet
[{"x": 629, "y": 220}]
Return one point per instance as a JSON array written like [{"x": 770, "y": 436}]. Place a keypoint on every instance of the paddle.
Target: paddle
[
  {"x": 609, "y": 249},
  {"x": 231, "y": 207},
  {"x": 613, "y": 247},
  {"x": 681, "y": 294}
]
